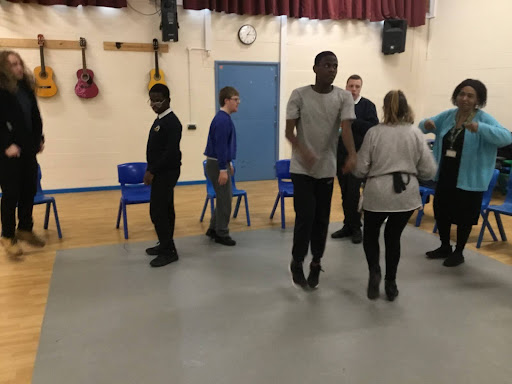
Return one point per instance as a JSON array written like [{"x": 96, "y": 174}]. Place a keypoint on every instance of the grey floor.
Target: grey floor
[{"x": 230, "y": 315}]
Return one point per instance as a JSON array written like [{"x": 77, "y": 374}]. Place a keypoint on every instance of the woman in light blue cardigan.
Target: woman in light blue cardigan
[{"x": 466, "y": 144}]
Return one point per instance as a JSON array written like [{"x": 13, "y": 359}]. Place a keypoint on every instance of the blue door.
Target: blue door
[{"x": 257, "y": 116}]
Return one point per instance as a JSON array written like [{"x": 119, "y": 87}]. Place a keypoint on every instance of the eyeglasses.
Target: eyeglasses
[
  {"x": 236, "y": 99},
  {"x": 157, "y": 103}
]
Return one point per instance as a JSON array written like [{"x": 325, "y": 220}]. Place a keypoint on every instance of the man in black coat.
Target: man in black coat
[
  {"x": 21, "y": 139},
  {"x": 164, "y": 163},
  {"x": 366, "y": 117}
]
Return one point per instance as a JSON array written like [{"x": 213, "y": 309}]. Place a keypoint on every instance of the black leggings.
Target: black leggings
[
  {"x": 392, "y": 233},
  {"x": 463, "y": 232}
]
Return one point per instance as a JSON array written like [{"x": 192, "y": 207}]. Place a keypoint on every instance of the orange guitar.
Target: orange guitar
[
  {"x": 156, "y": 76},
  {"x": 45, "y": 86}
]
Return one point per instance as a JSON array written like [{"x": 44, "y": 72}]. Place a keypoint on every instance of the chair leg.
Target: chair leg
[
  {"x": 421, "y": 210},
  {"x": 491, "y": 231},
  {"x": 419, "y": 217},
  {"x": 500, "y": 226},
  {"x": 47, "y": 215},
  {"x": 204, "y": 210},
  {"x": 119, "y": 213},
  {"x": 247, "y": 211},
  {"x": 237, "y": 206},
  {"x": 57, "y": 221},
  {"x": 275, "y": 206},
  {"x": 484, "y": 224},
  {"x": 125, "y": 222},
  {"x": 283, "y": 220}
]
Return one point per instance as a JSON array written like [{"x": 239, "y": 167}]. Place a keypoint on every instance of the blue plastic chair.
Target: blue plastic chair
[
  {"x": 284, "y": 187},
  {"x": 505, "y": 209},
  {"x": 425, "y": 193},
  {"x": 485, "y": 204},
  {"x": 41, "y": 198},
  {"x": 133, "y": 190},
  {"x": 210, "y": 197}
]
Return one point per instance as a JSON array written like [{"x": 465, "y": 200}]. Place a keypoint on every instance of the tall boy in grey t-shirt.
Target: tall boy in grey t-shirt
[{"x": 316, "y": 112}]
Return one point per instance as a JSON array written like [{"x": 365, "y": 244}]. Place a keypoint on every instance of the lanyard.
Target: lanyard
[{"x": 454, "y": 132}]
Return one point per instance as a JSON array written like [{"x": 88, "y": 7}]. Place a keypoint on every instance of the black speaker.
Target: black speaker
[
  {"x": 393, "y": 36},
  {"x": 169, "y": 20}
]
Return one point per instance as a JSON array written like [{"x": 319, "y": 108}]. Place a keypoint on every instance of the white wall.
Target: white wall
[
  {"x": 87, "y": 138},
  {"x": 470, "y": 39}
]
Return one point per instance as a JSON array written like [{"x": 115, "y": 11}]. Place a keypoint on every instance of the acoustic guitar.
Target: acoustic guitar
[
  {"x": 85, "y": 86},
  {"x": 45, "y": 86},
  {"x": 156, "y": 76}
]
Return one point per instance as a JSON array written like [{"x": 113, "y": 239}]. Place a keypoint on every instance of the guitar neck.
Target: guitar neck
[
  {"x": 41, "y": 53},
  {"x": 157, "y": 70},
  {"x": 84, "y": 65}
]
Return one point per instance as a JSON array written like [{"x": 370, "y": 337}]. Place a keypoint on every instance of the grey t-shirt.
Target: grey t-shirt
[{"x": 319, "y": 120}]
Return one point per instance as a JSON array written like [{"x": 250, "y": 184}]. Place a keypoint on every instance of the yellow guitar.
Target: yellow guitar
[
  {"x": 156, "y": 76},
  {"x": 45, "y": 86}
]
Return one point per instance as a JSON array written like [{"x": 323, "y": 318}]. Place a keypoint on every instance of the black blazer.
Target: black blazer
[{"x": 13, "y": 129}]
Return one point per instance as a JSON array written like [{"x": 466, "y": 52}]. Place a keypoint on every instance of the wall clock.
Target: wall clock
[{"x": 247, "y": 34}]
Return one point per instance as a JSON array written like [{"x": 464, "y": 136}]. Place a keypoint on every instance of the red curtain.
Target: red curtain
[
  {"x": 76, "y": 3},
  {"x": 375, "y": 10}
]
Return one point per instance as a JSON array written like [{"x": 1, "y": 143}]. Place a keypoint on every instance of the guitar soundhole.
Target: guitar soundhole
[
  {"x": 85, "y": 77},
  {"x": 157, "y": 77}
]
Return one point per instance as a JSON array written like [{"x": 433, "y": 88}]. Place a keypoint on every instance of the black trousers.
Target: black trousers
[
  {"x": 161, "y": 207},
  {"x": 18, "y": 180},
  {"x": 350, "y": 193},
  {"x": 219, "y": 221},
  {"x": 392, "y": 233},
  {"x": 312, "y": 203}
]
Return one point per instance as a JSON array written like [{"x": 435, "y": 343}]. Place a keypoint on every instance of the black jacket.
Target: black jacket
[
  {"x": 13, "y": 129},
  {"x": 366, "y": 117},
  {"x": 163, "y": 150}
]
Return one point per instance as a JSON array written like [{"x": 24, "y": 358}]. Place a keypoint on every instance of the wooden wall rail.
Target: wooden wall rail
[
  {"x": 136, "y": 47},
  {"x": 32, "y": 43}
]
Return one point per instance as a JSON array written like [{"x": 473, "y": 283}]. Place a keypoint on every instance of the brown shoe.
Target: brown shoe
[
  {"x": 11, "y": 246},
  {"x": 30, "y": 237}
]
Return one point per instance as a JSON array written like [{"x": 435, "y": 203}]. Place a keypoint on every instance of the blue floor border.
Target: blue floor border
[{"x": 108, "y": 188}]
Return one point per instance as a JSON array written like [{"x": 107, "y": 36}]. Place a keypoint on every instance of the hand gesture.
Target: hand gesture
[
  {"x": 430, "y": 125},
  {"x": 309, "y": 157},
  {"x": 223, "y": 177},
  {"x": 471, "y": 127},
  {"x": 148, "y": 178},
  {"x": 350, "y": 164},
  {"x": 13, "y": 151}
]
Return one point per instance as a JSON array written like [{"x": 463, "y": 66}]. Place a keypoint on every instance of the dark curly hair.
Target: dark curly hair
[
  {"x": 7, "y": 80},
  {"x": 477, "y": 85}
]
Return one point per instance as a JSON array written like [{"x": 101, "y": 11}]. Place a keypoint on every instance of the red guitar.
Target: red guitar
[{"x": 85, "y": 86}]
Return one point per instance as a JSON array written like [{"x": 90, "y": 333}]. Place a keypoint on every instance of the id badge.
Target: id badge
[{"x": 451, "y": 153}]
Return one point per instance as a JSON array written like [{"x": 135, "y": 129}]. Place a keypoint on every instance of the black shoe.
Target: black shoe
[
  {"x": 373, "y": 291},
  {"x": 298, "y": 278},
  {"x": 314, "y": 275},
  {"x": 343, "y": 232},
  {"x": 153, "y": 251},
  {"x": 211, "y": 233},
  {"x": 391, "y": 289},
  {"x": 440, "y": 253},
  {"x": 357, "y": 236},
  {"x": 456, "y": 258},
  {"x": 164, "y": 259},
  {"x": 225, "y": 240}
]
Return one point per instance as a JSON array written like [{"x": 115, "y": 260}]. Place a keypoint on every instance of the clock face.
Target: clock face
[{"x": 247, "y": 34}]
